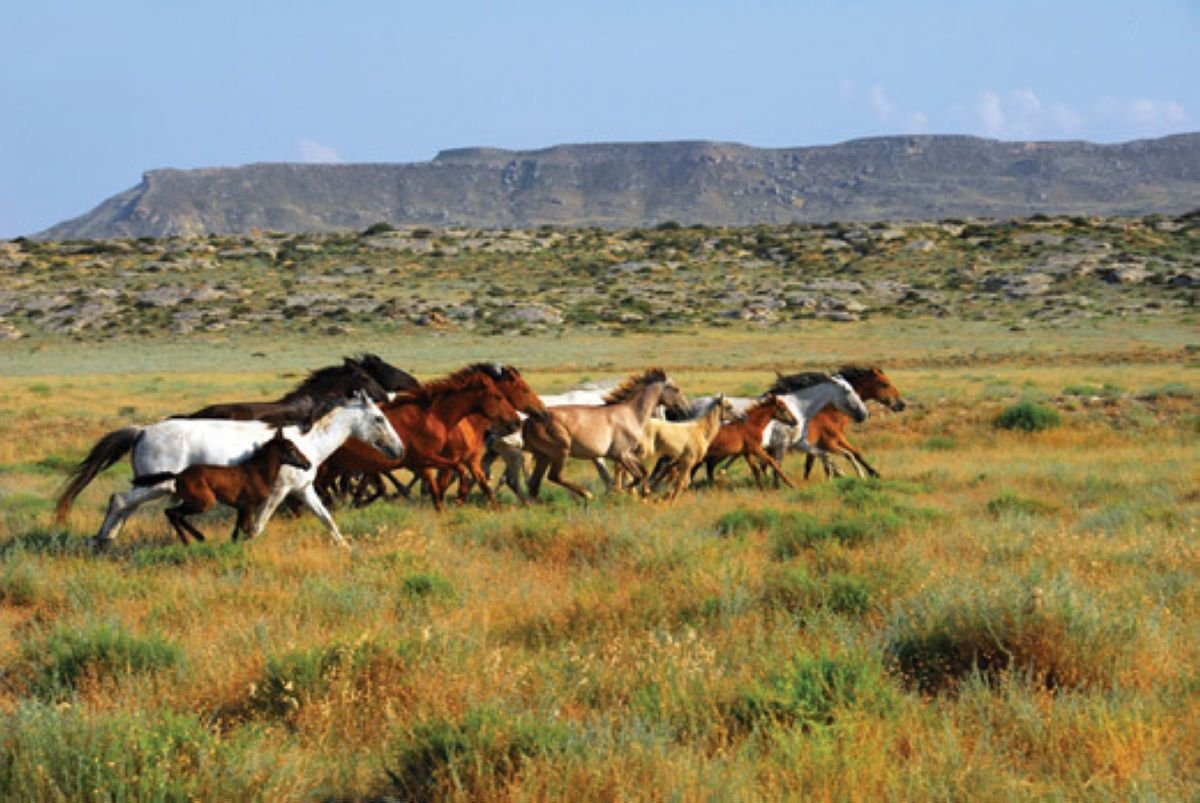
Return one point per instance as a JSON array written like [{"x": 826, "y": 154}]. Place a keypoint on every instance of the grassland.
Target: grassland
[{"x": 1004, "y": 616}]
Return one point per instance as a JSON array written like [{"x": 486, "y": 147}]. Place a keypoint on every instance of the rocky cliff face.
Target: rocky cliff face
[{"x": 887, "y": 178}]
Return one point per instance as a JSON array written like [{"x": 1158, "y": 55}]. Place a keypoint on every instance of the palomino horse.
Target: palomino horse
[
  {"x": 245, "y": 486},
  {"x": 682, "y": 445},
  {"x": 170, "y": 446},
  {"x": 827, "y": 429},
  {"x": 612, "y": 430},
  {"x": 425, "y": 418},
  {"x": 312, "y": 398},
  {"x": 745, "y": 439}
]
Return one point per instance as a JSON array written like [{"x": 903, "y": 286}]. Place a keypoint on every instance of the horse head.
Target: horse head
[
  {"x": 388, "y": 376},
  {"x": 729, "y": 413},
  {"x": 780, "y": 410},
  {"x": 373, "y": 427},
  {"x": 519, "y": 394},
  {"x": 846, "y": 400},
  {"x": 289, "y": 453},
  {"x": 673, "y": 399},
  {"x": 873, "y": 384},
  {"x": 495, "y": 406}
]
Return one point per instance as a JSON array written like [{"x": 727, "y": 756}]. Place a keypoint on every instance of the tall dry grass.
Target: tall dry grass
[{"x": 1005, "y": 615}]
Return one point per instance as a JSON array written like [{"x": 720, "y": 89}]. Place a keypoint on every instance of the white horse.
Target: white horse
[{"x": 170, "y": 446}]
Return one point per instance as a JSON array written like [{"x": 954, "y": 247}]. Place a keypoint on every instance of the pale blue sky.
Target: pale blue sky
[{"x": 94, "y": 93}]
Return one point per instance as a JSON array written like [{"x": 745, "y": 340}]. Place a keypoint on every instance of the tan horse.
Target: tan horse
[
  {"x": 613, "y": 430},
  {"x": 683, "y": 444}
]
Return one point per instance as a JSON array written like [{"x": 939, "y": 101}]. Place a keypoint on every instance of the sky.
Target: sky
[{"x": 93, "y": 94}]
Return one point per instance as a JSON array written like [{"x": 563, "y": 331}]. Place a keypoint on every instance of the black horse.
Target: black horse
[{"x": 318, "y": 392}]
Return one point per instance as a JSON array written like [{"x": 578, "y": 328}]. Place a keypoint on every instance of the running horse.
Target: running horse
[
  {"x": 827, "y": 429},
  {"x": 313, "y": 397},
  {"x": 424, "y": 418},
  {"x": 612, "y": 430}
]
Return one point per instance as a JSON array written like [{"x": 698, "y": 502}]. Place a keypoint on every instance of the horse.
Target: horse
[
  {"x": 245, "y": 486},
  {"x": 612, "y": 430},
  {"x": 425, "y": 418},
  {"x": 682, "y": 445},
  {"x": 744, "y": 439},
  {"x": 311, "y": 399},
  {"x": 170, "y": 446},
  {"x": 827, "y": 429},
  {"x": 468, "y": 442}
]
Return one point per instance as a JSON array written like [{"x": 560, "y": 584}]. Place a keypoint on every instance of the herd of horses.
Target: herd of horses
[{"x": 344, "y": 432}]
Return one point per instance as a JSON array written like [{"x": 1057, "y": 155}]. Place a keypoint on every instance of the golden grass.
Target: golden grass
[{"x": 610, "y": 652}]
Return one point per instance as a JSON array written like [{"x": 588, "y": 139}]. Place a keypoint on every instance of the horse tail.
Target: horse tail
[
  {"x": 111, "y": 448},
  {"x": 147, "y": 480}
]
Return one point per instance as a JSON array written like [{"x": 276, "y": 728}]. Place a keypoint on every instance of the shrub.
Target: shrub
[
  {"x": 813, "y": 690},
  {"x": 1055, "y": 637},
  {"x": 469, "y": 756},
  {"x": 67, "y": 655},
  {"x": 1009, "y": 503},
  {"x": 1028, "y": 416},
  {"x": 425, "y": 585},
  {"x": 53, "y": 753},
  {"x": 382, "y": 227}
]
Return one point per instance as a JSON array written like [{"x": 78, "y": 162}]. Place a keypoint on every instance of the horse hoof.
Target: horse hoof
[{"x": 101, "y": 545}]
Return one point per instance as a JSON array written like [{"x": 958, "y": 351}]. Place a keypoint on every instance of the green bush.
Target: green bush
[
  {"x": 813, "y": 690},
  {"x": 1028, "y": 416},
  {"x": 54, "y": 753},
  {"x": 67, "y": 655},
  {"x": 472, "y": 755}
]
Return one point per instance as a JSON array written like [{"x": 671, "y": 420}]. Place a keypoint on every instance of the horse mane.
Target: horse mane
[
  {"x": 764, "y": 401},
  {"x": 465, "y": 378},
  {"x": 626, "y": 389},
  {"x": 855, "y": 373},
  {"x": 386, "y": 374},
  {"x": 791, "y": 383},
  {"x": 323, "y": 381}
]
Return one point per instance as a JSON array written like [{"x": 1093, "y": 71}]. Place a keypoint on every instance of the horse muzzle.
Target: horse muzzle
[
  {"x": 897, "y": 406},
  {"x": 395, "y": 452}
]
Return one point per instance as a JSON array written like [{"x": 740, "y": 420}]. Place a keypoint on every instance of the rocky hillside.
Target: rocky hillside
[
  {"x": 1040, "y": 272},
  {"x": 625, "y": 185}
]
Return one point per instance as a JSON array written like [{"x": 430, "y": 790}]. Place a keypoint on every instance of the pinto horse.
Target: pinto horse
[
  {"x": 425, "y": 418},
  {"x": 827, "y": 429},
  {"x": 170, "y": 446},
  {"x": 244, "y": 487},
  {"x": 612, "y": 430},
  {"x": 312, "y": 398}
]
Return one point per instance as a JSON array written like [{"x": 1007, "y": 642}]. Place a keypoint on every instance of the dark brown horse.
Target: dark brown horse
[
  {"x": 827, "y": 429},
  {"x": 245, "y": 486},
  {"x": 312, "y": 398},
  {"x": 426, "y": 417}
]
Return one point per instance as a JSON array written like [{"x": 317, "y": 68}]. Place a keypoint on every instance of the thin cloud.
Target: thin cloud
[
  {"x": 316, "y": 153},
  {"x": 1017, "y": 114},
  {"x": 1145, "y": 115},
  {"x": 881, "y": 105}
]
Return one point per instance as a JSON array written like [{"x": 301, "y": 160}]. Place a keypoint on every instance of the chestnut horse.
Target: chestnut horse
[
  {"x": 425, "y": 418},
  {"x": 612, "y": 430},
  {"x": 745, "y": 439},
  {"x": 467, "y": 443},
  {"x": 827, "y": 429},
  {"x": 245, "y": 486}
]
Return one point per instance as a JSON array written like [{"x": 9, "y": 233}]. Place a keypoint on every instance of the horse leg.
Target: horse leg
[
  {"x": 602, "y": 470},
  {"x": 430, "y": 482},
  {"x": 175, "y": 517},
  {"x": 309, "y": 496},
  {"x": 540, "y": 465},
  {"x": 808, "y": 464},
  {"x": 122, "y": 505},
  {"x": 778, "y": 469},
  {"x": 400, "y": 489},
  {"x": 556, "y": 465},
  {"x": 475, "y": 466}
]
